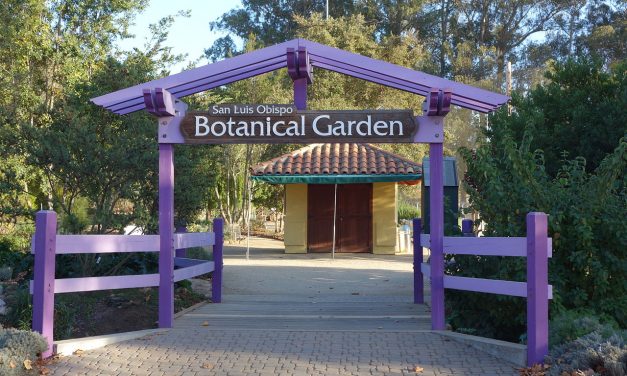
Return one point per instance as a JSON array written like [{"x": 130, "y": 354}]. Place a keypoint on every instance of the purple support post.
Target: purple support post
[
  {"x": 216, "y": 279},
  {"x": 43, "y": 284},
  {"x": 183, "y": 251},
  {"x": 467, "y": 228},
  {"x": 436, "y": 203},
  {"x": 300, "y": 93},
  {"x": 418, "y": 259},
  {"x": 166, "y": 235},
  {"x": 537, "y": 288}
]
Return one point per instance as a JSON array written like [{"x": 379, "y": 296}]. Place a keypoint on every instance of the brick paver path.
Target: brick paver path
[{"x": 297, "y": 315}]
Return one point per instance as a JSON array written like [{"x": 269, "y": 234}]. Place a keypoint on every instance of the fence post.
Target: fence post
[
  {"x": 467, "y": 228},
  {"x": 419, "y": 288},
  {"x": 182, "y": 252},
  {"x": 166, "y": 235},
  {"x": 436, "y": 228},
  {"x": 537, "y": 288},
  {"x": 216, "y": 279},
  {"x": 43, "y": 284}
]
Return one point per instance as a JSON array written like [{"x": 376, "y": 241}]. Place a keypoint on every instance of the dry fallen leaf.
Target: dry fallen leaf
[
  {"x": 28, "y": 364},
  {"x": 44, "y": 371},
  {"x": 418, "y": 369},
  {"x": 207, "y": 365},
  {"x": 205, "y": 323},
  {"x": 12, "y": 364},
  {"x": 78, "y": 352},
  {"x": 535, "y": 370}
]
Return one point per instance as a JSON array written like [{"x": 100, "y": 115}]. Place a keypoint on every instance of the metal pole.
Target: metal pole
[
  {"x": 334, "y": 216},
  {"x": 327, "y": 9}
]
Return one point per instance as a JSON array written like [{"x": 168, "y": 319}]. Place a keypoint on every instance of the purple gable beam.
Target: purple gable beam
[{"x": 272, "y": 58}]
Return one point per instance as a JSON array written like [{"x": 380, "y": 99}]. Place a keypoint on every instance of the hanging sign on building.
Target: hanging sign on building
[{"x": 276, "y": 123}]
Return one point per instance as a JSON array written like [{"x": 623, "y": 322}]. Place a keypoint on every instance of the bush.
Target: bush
[
  {"x": 18, "y": 348},
  {"x": 14, "y": 253},
  {"x": 545, "y": 157},
  {"x": 570, "y": 325},
  {"x": 20, "y": 309},
  {"x": 406, "y": 211},
  {"x": 596, "y": 353}
]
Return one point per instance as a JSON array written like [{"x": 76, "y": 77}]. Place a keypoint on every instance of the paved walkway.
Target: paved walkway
[{"x": 297, "y": 315}]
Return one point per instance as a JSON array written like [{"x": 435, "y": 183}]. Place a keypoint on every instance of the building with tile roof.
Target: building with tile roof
[{"x": 354, "y": 185}]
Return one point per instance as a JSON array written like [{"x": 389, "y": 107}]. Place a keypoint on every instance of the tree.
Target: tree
[
  {"x": 579, "y": 111},
  {"x": 48, "y": 48},
  {"x": 510, "y": 174},
  {"x": 271, "y": 22}
]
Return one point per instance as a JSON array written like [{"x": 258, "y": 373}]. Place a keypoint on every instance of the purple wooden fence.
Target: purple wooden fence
[
  {"x": 536, "y": 247},
  {"x": 47, "y": 244}
]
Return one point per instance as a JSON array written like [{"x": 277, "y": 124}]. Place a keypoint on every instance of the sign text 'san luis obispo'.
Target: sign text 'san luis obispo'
[{"x": 271, "y": 123}]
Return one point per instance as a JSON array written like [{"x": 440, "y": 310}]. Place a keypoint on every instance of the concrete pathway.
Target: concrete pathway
[{"x": 297, "y": 315}]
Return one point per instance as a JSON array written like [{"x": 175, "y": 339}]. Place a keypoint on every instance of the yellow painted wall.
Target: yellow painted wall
[
  {"x": 295, "y": 218},
  {"x": 384, "y": 218}
]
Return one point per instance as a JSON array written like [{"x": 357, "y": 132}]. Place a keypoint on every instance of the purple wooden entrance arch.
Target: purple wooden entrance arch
[
  {"x": 299, "y": 56},
  {"x": 161, "y": 98}
]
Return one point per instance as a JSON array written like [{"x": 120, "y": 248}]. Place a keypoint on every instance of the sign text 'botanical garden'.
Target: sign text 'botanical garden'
[{"x": 272, "y": 123}]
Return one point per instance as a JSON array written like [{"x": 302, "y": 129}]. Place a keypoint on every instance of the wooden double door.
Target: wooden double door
[{"x": 353, "y": 218}]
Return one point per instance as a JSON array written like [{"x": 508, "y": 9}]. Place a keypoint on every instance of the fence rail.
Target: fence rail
[
  {"x": 47, "y": 244},
  {"x": 485, "y": 246},
  {"x": 536, "y": 247}
]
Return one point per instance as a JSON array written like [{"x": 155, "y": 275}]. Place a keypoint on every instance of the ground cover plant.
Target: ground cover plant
[
  {"x": 596, "y": 353},
  {"x": 19, "y": 350}
]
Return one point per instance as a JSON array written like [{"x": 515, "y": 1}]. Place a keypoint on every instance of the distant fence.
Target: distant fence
[
  {"x": 47, "y": 244},
  {"x": 536, "y": 247}
]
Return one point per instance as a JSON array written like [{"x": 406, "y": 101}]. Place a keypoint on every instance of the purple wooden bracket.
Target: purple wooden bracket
[
  {"x": 437, "y": 102},
  {"x": 298, "y": 65},
  {"x": 537, "y": 288},
  {"x": 418, "y": 259},
  {"x": 445, "y": 102},
  {"x": 159, "y": 102},
  {"x": 430, "y": 129},
  {"x": 216, "y": 278},
  {"x": 292, "y": 64},
  {"x": 43, "y": 285},
  {"x": 430, "y": 107},
  {"x": 169, "y": 126}
]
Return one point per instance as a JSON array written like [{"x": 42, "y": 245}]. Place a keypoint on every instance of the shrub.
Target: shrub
[
  {"x": 601, "y": 353},
  {"x": 570, "y": 325},
  {"x": 538, "y": 159},
  {"x": 406, "y": 211},
  {"x": 20, "y": 310},
  {"x": 17, "y": 349}
]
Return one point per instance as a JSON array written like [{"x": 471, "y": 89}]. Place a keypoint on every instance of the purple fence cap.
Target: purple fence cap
[{"x": 318, "y": 55}]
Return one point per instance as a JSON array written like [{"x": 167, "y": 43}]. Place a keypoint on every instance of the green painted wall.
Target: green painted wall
[
  {"x": 295, "y": 218},
  {"x": 384, "y": 218}
]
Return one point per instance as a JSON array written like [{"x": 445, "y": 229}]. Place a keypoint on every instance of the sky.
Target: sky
[{"x": 188, "y": 35}]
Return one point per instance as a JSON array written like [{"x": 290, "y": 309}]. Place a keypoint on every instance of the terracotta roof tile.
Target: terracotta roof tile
[{"x": 337, "y": 159}]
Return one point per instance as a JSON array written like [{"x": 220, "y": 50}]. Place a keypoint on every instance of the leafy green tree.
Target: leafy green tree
[
  {"x": 271, "y": 22},
  {"x": 510, "y": 174},
  {"x": 579, "y": 111}
]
